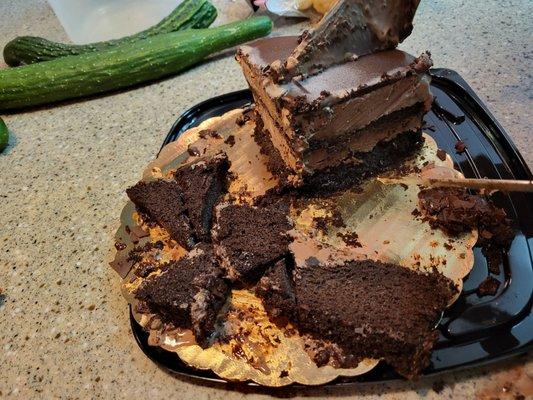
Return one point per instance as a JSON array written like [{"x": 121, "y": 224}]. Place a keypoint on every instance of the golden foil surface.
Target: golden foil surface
[{"x": 380, "y": 215}]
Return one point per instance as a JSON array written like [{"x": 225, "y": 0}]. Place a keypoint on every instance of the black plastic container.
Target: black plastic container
[{"x": 475, "y": 330}]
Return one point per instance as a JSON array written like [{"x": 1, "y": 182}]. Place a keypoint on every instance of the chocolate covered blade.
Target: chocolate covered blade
[{"x": 352, "y": 28}]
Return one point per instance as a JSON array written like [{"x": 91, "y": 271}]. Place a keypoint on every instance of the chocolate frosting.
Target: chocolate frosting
[{"x": 351, "y": 28}]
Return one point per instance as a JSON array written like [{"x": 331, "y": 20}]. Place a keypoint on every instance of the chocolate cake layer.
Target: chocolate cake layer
[
  {"x": 347, "y": 168},
  {"x": 163, "y": 201},
  {"x": 188, "y": 294},
  {"x": 249, "y": 239},
  {"x": 368, "y": 308},
  {"x": 350, "y": 29},
  {"x": 337, "y": 104},
  {"x": 203, "y": 183},
  {"x": 385, "y": 156}
]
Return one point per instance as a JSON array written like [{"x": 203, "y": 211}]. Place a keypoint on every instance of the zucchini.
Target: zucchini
[
  {"x": 191, "y": 14},
  {"x": 122, "y": 66},
  {"x": 4, "y": 135}
]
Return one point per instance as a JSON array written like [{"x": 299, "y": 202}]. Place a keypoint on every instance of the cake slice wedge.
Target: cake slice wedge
[
  {"x": 350, "y": 29},
  {"x": 184, "y": 205},
  {"x": 162, "y": 200},
  {"x": 203, "y": 182},
  {"x": 361, "y": 116},
  {"x": 188, "y": 294},
  {"x": 368, "y": 308}
]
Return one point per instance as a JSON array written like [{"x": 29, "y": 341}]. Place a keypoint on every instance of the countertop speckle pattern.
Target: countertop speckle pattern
[{"x": 64, "y": 327}]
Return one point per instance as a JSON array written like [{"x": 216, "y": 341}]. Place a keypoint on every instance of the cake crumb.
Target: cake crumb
[
  {"x": 230, "y": 140},
  {"x": 488, "y": 287},
  {"x": 438, "y": 386},
  {"x": 350, "y": 239},
  {"x": 205, "y": 133},
  {"x": 460, "y": 147},
  {"x": 441, "y": 154}
]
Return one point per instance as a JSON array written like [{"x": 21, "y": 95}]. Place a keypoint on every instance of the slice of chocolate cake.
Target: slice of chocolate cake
[
  {"x": 188, "y": 294},
  {"x": 163, "y": 201},
  {"x": 249, "y": 239},
  {"x": 350, "y": 29},
  {"x": 203, "y": 183},
  {"x": 337, "y": 118},
  {"x": 370, "y": 309},
  {"x": 184, "y": 206}
]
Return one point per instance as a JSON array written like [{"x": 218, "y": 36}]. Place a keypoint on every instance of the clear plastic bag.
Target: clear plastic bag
[{"x": 87, "y": 21}]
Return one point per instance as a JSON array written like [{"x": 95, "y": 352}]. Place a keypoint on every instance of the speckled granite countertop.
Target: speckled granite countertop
[{"x": 64, "y": 327}]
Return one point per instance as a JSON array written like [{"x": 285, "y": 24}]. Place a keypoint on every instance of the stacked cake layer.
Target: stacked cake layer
[{"x": 342, "y": 115}]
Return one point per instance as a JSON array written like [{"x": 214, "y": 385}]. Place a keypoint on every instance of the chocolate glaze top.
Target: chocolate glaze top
[
  {"x": 361, "y": 74},
  {"x": 341, "y": 80},
  {"x": 351, "y": 28},
  {"x": 263, "y": 52}
]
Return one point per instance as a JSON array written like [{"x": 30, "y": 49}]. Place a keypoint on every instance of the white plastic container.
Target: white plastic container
[{"x": 87, "y": 21}]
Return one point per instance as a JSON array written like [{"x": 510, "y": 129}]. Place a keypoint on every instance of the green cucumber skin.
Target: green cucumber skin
[
  {"x": 123, "y": 66},
  {"x": 191, "y": 14},
  {"x": 4, "y": 135}
]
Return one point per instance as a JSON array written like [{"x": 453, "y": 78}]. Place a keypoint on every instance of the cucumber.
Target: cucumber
[
  {"x": 191, "y": 14},
  {"x": 122, "y": 66},
  {"x": 4, "y": 135}
]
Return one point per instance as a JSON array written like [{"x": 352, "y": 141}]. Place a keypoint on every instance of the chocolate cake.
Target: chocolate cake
[
  {"x": 331, "y": 108},
  {"x": 277, "y": 292},
  {"x": 455, "y": 210},
  {"x": 249, "y": 239},
  {"x": 203, "y": 183},
  {"x": 163, "y": 201},
  {"x": 188, "y": 294},
  {"x": 368, "y": 308},
  {"x": 184, "y": 206},
  {"x": 349, "y": 30},
  {"x": 337, "y": 118}
]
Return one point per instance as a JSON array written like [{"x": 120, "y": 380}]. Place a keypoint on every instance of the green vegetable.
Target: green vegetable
[
  {"x": 4, "y": 135},
  {"x": 123, "y": 66},
  {"x": 194, "y": 14}
]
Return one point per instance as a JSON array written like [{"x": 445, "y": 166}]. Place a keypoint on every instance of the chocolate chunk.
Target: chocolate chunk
[
  {"x": 441, "y": 154},
  {"x": 206, "y": 133},
  {"x": 454, "y": 210},
  {"x": 276, "y": 291},
  {"x": 244, "y": 117},
  {"x": 230, "y": 140},
  {"x": 189, "y": 294},
  {"x": 350, "y": 239}
]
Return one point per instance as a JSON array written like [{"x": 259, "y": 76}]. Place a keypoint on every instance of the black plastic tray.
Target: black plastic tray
[{"x": 475, "y": 330}]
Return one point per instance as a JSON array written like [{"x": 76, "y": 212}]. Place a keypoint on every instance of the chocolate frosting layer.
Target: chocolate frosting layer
[{"x": 352, "y": 28}]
